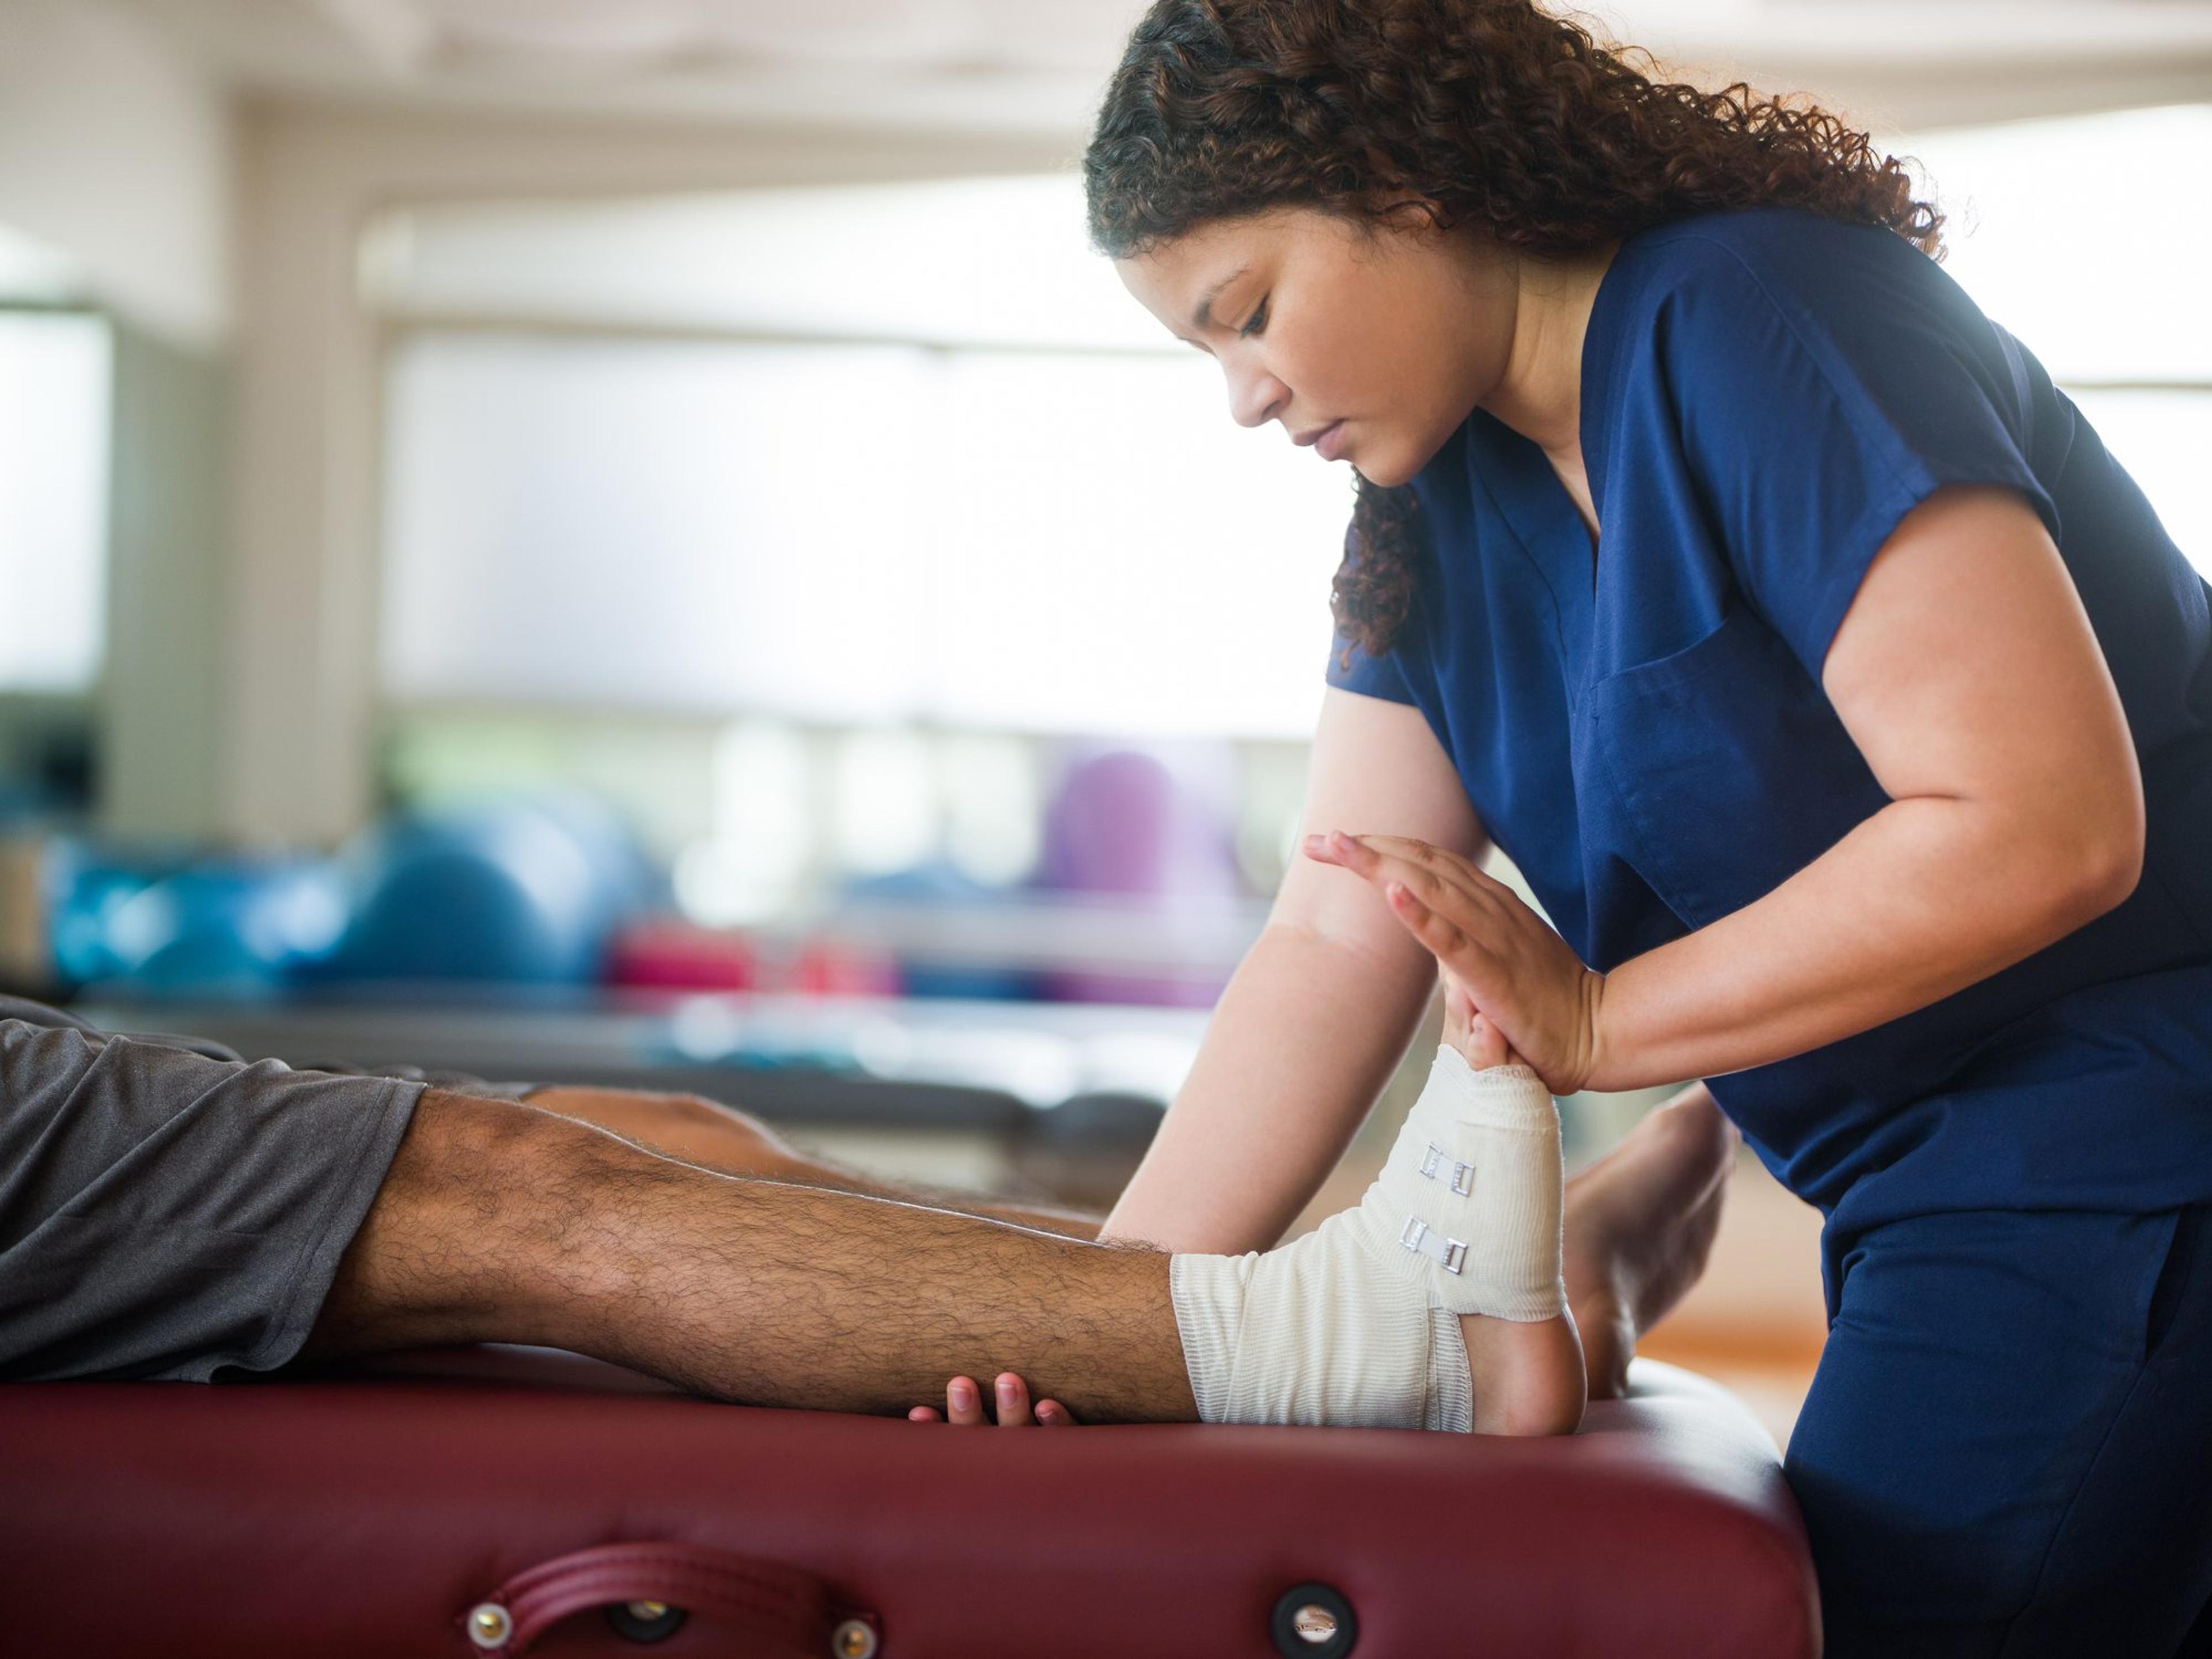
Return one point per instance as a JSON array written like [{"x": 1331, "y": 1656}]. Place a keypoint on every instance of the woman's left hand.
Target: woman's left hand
[
  {"x": 1524, "y": 978},
  {"x": 963, "y": 1406}
]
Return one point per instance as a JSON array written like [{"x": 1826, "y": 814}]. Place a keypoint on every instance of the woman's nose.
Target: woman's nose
[{"x": 1256, "y": 396}]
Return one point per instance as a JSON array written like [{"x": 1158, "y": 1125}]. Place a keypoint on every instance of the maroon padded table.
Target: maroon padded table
[{"x": 486, "y": 1501}]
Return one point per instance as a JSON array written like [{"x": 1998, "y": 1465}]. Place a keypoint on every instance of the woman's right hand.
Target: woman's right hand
[{"x": 963, "y": 1407}]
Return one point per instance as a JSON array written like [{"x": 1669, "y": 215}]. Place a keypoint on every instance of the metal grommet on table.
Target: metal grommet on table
[
  {"x": 489, "y": 1624},
  {"x": 645, "y": 1621},
  {"x": 1313, "y": 1621},
  {"x": 854, "y": 1639}
]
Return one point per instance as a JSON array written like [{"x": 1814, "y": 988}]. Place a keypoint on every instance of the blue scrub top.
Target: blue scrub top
[{"x": 1766, "y": 393}]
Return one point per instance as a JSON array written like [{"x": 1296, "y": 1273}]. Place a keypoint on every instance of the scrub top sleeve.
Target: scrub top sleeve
[
  {"x": 1820, "y": 400},
  {"x": 1350, "y": 669}
]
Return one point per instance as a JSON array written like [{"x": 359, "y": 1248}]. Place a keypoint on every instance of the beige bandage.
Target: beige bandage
[
  {"x": 1357, "y": 1324},
  {"x": 1475, "y": 1186}
]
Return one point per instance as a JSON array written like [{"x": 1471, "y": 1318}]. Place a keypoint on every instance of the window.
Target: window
[
  {"x": 2088, "y": 239},
  {"x": 758, "y": 511},
  {"x": 818, "y": 502},
  {"x": 54, "y": 399}
]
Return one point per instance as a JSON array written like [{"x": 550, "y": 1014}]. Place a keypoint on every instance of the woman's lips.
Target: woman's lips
[{"x": 1330, "y": 445}]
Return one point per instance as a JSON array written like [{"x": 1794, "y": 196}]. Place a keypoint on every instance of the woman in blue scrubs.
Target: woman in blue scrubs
[{"x": 1843, "y": 701}]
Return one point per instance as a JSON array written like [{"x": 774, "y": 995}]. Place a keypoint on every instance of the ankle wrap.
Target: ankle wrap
[
  {"x": 1473, "y": 1188},
  {"x": 1358, "y": 1322}
]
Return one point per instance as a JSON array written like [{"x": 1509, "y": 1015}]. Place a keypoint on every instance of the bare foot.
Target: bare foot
[
  {"x": 1639, "y": 1223},
  {"x": 1529, "y": 1376}
]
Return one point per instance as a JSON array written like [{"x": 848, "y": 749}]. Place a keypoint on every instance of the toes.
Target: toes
[
  {"x": 1013, "y": 1397},
  {"x": 1485, "y": 1045},
  {"x": 923, "y": 1414},
  {"x": 1054, "y": 1415},
  {"x": 1479, "y": 1042},
  {"x": 1459, "y": 1013}
]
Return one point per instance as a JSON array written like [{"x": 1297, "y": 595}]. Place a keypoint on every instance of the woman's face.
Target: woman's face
[{"x": 1372, "y": 343}]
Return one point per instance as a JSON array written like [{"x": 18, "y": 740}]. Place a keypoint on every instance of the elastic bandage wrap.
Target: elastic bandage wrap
[{"x": 1358, "y": 1322}]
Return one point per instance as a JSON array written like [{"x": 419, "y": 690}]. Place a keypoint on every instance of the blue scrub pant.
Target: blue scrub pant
[{"x": 2007, "y": 1447}]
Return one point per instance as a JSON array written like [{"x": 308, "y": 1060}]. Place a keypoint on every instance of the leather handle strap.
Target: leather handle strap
[{"x": 782, "y": 1612}]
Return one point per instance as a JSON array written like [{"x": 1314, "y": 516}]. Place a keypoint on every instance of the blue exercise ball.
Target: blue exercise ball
[
  {"x": 230, "y": 929},
  {"x": 508, "y": 891},
  {"x": 213, "y": 926}
]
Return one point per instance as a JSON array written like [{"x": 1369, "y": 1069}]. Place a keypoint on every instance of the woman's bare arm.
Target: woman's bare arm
[
  {"x": 1967, "y": 674},
  {"x": 1317, "y": 1014}
]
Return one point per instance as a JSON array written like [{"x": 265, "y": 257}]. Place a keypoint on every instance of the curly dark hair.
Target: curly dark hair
[{"x": 1488, "y": 114}]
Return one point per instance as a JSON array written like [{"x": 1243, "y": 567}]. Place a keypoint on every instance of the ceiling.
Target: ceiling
[{"x": 1035, "y": 65}]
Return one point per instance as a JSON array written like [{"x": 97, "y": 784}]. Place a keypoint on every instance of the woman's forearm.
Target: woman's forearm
[
  {"x": 1924, "y": 898},
  {"x": 1966, "y": 672},
  {"x": 1302, "y": 1042},
  {"x": 1968, "y": 675}
]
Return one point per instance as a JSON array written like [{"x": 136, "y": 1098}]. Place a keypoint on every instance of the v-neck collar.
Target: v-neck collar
[
  {"x": 1512, "y": 471},
  {"x": 1529, "y": 491},
  {"x": 1600, "y": 355},
  {"x": 1517, "y": 476},
  {"x": 1537, "y": 504}
]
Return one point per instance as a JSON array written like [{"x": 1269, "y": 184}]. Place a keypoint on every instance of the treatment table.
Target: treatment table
[{"x": 495, "y": 1501}]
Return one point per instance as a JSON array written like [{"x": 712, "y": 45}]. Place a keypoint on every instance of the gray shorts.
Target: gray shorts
[{"x": 168, "y": 1209}]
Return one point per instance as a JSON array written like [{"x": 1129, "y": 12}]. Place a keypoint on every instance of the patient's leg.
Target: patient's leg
[
  {"x": 717, "y": 1137},
  {"x": 1638, "y": 1223},
  {"x": 499, "y": 1222}
]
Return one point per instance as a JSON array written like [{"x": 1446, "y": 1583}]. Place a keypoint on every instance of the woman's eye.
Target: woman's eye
[{"x": 1257, "y": 320}]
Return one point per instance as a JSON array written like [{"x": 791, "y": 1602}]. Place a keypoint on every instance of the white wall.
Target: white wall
[{"x": 116, "y": 154}]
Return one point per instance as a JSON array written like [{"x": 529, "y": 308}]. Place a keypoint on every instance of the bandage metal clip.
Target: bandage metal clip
[
  {"x": 1462, "y": 1174},
  {"x": 1449, "y": 1254}
]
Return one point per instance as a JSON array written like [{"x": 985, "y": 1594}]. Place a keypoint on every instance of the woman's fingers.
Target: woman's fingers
[
  {"x": 1442, "y": 879},
  {"x": 1015, "y": 1411},
  {"x": 1364, "y": 854},
  {"x": 965, "y": 1405},
  {"x": 1013, "y": 1397},
  {"x": 1462, "y": 871},
  {"x": 1526, "y": 979},
  {"x": 1443, "y": 899},
  {"x": 1450, "y": 944}
]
